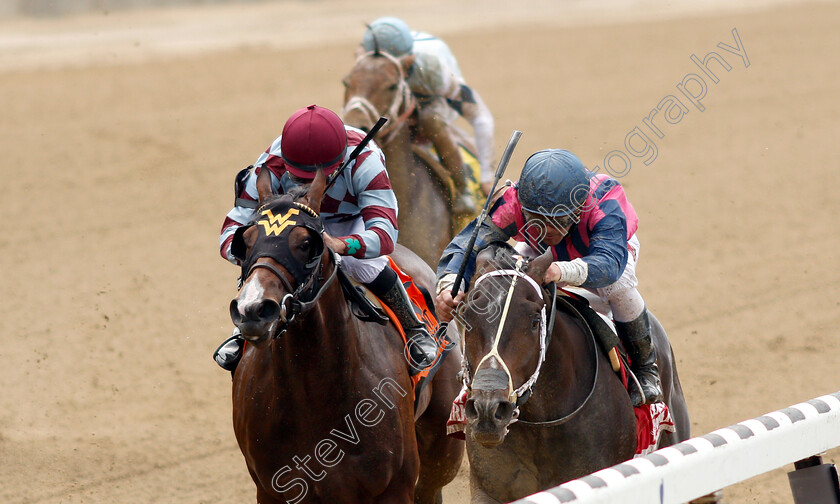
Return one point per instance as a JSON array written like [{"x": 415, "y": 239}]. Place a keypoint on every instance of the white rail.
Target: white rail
[{"x": 705, "y": 464}]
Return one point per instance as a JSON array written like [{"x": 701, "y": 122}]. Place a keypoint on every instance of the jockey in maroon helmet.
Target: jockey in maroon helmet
[
  {"x": 359, "y": 212},
  {"x": 590, "y": 226}
]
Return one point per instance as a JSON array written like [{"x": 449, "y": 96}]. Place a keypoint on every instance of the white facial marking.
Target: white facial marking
[{"x": 252, "y": 292}]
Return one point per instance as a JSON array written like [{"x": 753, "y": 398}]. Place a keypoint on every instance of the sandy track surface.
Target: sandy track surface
[{"x": 121, "y": 134}]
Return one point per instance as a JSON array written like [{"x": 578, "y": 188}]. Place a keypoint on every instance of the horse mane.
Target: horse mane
[{"x": 504, "y": 256}]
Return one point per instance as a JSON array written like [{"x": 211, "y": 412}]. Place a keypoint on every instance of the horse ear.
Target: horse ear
[
  {"x": 406, "y": 62},
  {"x": 316, "y": 191},
  {"x": 484, "y": 260},
  {"x": 264, "y": 184},
  {"x": 537, "y": 267}
]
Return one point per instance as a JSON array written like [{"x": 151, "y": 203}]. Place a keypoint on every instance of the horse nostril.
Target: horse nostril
[
  {"x": 268, "y": 310},
  {"x": 504, "y": 410},
  {"x": 235, "y": 316},
  {"x": 469, "y": 409}
]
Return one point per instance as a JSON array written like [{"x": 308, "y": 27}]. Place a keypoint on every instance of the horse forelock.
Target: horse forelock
[
  {"x": 295, "y": 195},
  {"x": 502, "y": 256},
  {"x": 505, "y": 257},
  {"x": 377, "y": 57}
]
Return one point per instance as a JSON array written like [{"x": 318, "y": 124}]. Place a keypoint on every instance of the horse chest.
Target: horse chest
[{"x": 314, "y": 450}]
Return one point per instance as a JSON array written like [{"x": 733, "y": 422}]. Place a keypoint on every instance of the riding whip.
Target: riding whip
[
  {"x": 440, "y": 334},
  {"x": 503, "y": 162},
  {"x": 356, "y": 152}
]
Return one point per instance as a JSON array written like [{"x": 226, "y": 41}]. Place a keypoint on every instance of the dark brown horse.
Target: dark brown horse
[
  {"x": 376, "y": 87},
  {"x": 323, "y": 406},
  {"x": 533, "y": 424}
]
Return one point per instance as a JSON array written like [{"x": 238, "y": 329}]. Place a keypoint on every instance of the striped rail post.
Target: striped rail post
[{"x": 705, "y": 464}]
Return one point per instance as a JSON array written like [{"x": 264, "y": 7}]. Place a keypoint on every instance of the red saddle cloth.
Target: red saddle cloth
[{"x": 421, "y": 309}]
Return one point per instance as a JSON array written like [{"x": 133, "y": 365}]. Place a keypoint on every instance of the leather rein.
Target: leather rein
[
  {"x": 521, "y": 394},
  {"x": 291, "y": 305}
]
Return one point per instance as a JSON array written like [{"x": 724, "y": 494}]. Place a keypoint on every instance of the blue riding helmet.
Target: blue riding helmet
[
  {"x": 553, "y": 183},
  {"x": 390, "y": 35}
]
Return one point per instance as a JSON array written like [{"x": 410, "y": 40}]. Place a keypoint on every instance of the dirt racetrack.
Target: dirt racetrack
[{"x": 121, "y": 134}]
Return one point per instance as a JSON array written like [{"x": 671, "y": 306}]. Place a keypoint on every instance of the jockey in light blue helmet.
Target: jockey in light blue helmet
[
  {"x": 434, "y": 78},
  {"x": 390, "y": 35}
]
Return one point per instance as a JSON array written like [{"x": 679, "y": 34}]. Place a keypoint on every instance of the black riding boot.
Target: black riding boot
[
  {"x": 230, "y": 351},
  {"x": 636, "y": 338},
  {"x": 422, "y": 347}
]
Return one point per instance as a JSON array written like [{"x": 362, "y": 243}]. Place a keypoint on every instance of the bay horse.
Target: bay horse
[
  {"x": 544, "y": 405},
  {"x": 323, "y": 407},
  {"x": 376, "y": 87}
]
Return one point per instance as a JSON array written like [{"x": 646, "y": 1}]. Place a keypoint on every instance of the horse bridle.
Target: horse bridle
[
  {"x": 291, "y": 305},
  {"x": 403, "y": 99},
  {"x": 520, "y": 395}
]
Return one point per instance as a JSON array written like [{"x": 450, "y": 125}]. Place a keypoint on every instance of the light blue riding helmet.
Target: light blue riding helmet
[
  {"x": 390, "y": 35},
  {"x": 554, "y": 182}
]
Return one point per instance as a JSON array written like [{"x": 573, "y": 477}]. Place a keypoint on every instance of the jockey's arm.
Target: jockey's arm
[
  {"x": 378, "y": 208},
  {"x": 443, "y": 80},
  {"x": 470, "y": 105},
  {"x": 453, "y": 256},
  {"x": 604, "y": 263}
]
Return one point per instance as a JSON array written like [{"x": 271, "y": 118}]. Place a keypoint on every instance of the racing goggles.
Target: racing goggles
[{"x": 561, "y": 223}]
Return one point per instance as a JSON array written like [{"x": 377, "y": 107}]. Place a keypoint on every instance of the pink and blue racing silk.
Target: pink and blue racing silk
[
  {"x": 363, "y": 190},
  {"x": 607, "y": 221}
]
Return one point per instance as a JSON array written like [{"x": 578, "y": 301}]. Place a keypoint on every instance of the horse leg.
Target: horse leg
[
  {"x": 264, "y": 497},
  {"x": 440, "y": 455},
  {"x": 671, "y": 386},
  {"x": 478, "y": 495},
  {"x": 440, "y": 458}
]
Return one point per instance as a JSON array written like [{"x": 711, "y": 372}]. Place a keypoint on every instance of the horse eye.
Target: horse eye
[
  {"x": 392, "y": 87},
  {"x": 536, "y": 322},
  {"x": 305, "y": 245}
]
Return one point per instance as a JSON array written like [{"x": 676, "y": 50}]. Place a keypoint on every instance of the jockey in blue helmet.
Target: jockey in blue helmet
[
  {"x": 434, "y": 77},
  {"x": 590, "y": 226}
]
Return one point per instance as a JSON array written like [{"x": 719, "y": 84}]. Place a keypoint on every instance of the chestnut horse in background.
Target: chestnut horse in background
[
  {"x": 535, "y": 423},
  {"x": 376, "y": 87},
  {"x": 323, "y": 407}
]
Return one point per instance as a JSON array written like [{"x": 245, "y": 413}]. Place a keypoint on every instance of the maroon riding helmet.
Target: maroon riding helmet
[{"x": 313, "y": 137}]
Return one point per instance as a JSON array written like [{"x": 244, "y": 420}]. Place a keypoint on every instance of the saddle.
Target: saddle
[
  {"x": 367, "y": 307},
  {"x": 361, "y": 300},
  {"x": 578, "y": 307}
]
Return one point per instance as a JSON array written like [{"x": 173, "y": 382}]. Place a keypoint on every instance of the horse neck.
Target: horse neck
[
  {"x": 321, "y": 338},
  {"x": 399, "y": 160},
  {"x": 568, "y": 372}
]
